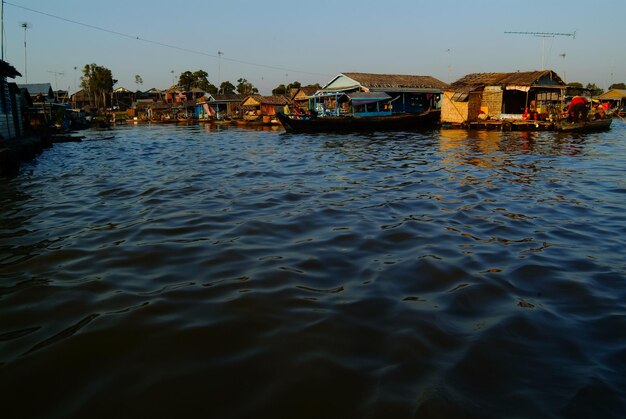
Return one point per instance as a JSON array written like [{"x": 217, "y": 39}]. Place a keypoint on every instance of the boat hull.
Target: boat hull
[
  {"x": 589, "y": 126},
  {"x": 397, "y": 122}
]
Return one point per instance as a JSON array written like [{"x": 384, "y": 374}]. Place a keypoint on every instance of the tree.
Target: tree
[
  {"x": 593, "y": 89},
  {"x": 618, "y": 86},
  {"x": 227, "y": 88},
  {"x": 281, "y": 89},
  {"x": 246, "y": 88},
  {"x": 138, "y": 80},
  {"x": 98, "y": 82},
  {"x": 198, "y": 79}
]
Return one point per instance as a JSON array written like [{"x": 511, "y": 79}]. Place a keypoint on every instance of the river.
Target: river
[{"x": 201, "y": 271}]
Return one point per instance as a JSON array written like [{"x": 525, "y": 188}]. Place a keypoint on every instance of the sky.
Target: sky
[{"x": 275, "y": 42}]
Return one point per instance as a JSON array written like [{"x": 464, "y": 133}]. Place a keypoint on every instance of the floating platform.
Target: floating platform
[{"x": 513, "y": 125}]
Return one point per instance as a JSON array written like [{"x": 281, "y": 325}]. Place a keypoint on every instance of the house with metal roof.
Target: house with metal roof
[
  {"x": 502, "y": 96},
  {"x": 409, "y": 93},
  {"x": 39, "y": 92}
]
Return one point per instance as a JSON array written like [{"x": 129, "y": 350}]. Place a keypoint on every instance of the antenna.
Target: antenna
[
  {"x": 563, "y": 56},
  {"x": 544, "y": 35},
  {"x": 56, "y": 73}
]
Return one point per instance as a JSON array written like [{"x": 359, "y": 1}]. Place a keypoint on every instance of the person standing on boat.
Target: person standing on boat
[{"x": 577, "y": 109}]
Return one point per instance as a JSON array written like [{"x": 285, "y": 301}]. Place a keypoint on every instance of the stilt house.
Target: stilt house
[{"x": 501, "y": 96}]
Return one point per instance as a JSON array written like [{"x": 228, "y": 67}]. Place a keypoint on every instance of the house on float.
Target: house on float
[
  {"x": 257, "y": 106},
  {"x": 616, "y": 98},
  {"x": 367, "y": 93},
  {"x": 219, "y": 106},
  {"x": 10, "y": 114},
  {"x": 502, "y": 96}
]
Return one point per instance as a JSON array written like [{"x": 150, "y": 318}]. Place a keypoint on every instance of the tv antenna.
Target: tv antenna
[
  {"x": 544, "y": 35},
  {"x": 56, "y": 74}
]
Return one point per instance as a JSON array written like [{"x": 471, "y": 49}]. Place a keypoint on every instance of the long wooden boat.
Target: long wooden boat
[
  {"x": 394, "y": 122},
  {"x": 587, "y": 126}
]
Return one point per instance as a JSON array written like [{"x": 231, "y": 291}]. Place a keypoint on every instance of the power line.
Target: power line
[{"x": 161, "y": 44}]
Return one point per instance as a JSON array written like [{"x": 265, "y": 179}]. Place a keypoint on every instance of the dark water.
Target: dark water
[{"x": 225, "y": 273}]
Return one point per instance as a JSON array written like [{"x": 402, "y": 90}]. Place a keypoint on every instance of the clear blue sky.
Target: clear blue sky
[{"x": 275, "y": 41}]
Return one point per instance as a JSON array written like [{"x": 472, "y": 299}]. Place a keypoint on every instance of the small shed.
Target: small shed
[
  {"x": 257, "y": 105},
  {"x": 501, "y": 95}
]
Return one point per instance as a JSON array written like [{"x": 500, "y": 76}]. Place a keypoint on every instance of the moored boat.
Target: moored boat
[
  {"x": 585, "y": 126},
  {"x": 401, "y": 121}
]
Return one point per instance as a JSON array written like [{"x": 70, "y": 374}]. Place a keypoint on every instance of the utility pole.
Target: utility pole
[
  {"x": 2, "y": 29},
  {"x": 25, "y": 25},
  {"x": 219, "y": 68},
  {"x": 544, "y": 35}
]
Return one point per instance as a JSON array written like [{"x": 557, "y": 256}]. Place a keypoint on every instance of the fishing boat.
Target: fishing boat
[
  {"x": 351, "y": 123},
  {"x": 584, "y": 126}
]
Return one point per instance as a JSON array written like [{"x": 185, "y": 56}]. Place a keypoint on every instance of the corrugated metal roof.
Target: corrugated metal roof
[
  {"x": 35, "y": 89},
  {"x": 396, "y": 81}
]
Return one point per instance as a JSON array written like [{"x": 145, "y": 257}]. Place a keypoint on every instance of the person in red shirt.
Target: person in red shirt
[{"x": 577, "y": 109}]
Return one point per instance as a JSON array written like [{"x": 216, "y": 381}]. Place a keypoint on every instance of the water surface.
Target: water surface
[{"x": 200, "y": 271}]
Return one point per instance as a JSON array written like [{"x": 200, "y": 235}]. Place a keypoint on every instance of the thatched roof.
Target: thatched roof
[
  {"x": 304, "y": 91},
  {"x": 613, "y": 94},
  {"x": 396, "y": 81},
  {"x": 265, "y": 100},
  {"x": 228, "y": 97},
  {"x": 478, "y": 81}
]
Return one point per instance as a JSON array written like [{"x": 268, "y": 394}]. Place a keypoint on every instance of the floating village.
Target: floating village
[{"x": 36, "y": 116}]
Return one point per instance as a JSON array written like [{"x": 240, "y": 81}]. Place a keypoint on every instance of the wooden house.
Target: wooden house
[
  {"x": 219, "y": 106},
  {"x": 255, "y": 106},
  {"x": 10, "y": 115},
  {"x": 81, "y": 100},
  {"x": 501, "y": 96},
  {"x": 122, "y": 98},
  {"x": 300, "y": 97},
  {"x": 409, "y": 93}
]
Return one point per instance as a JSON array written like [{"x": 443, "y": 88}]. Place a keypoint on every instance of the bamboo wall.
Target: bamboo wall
[
  {"x": 453, "y": 112},
  {"x": 492, "y": 103}
]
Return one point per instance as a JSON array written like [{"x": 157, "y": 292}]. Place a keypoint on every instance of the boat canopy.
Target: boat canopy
[{"x": 362, "y": 98}]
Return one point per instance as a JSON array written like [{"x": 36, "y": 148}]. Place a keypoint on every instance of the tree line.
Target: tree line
[{"x": 97, "y": 81}]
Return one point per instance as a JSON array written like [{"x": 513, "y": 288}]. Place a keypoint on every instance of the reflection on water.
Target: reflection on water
[{"x": 226, "y": 272}]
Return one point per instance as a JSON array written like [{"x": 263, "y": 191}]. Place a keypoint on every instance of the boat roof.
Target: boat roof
[{"x": 368, "y": 96}]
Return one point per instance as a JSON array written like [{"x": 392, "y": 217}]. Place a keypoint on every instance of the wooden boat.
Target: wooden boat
[
  {"x": 393, "y": 122},
  {"x": 586, "y": 126}
]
